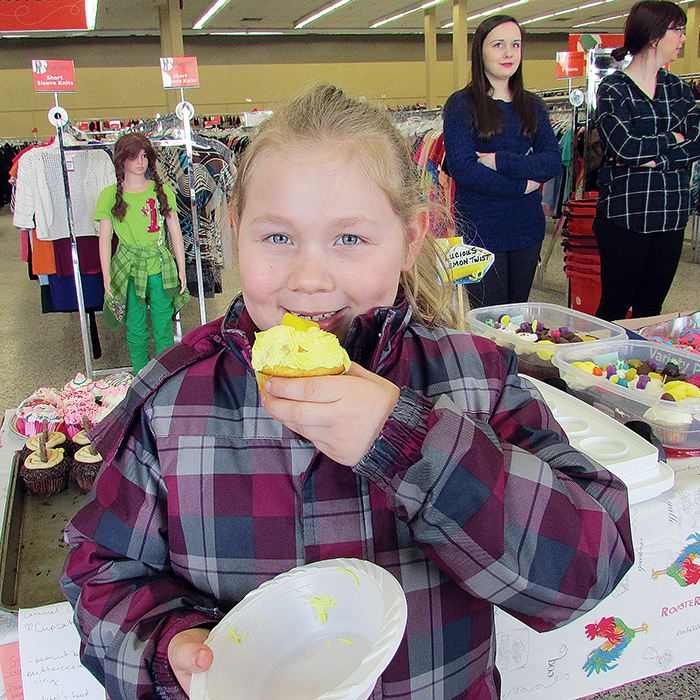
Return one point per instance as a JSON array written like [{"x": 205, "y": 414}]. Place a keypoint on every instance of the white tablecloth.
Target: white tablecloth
[
  {"x": 652, "y": 619},
  {"x": 657, "y": 614}
]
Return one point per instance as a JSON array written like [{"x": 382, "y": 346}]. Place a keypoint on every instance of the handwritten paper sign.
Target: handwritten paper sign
[
  {"x": 49, "y": 649},
  {"x": 11, "y": 671},
  {"x": 467, "y": 263}
]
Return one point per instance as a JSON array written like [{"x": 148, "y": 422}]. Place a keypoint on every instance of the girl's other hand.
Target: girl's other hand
[
  {"x": 342, "y": 415},
  {"x": 183, "y": 281},
  {"x": 188, "y": 654},
  {"x": 107, "y": 281},
  {"x": 487, "y": 159}
]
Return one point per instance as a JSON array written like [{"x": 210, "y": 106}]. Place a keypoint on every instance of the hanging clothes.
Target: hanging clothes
[
  {"x": 213, "y": 182},
  {"x": 40, "y": 200},
  {"x": 40, "y": 209}
]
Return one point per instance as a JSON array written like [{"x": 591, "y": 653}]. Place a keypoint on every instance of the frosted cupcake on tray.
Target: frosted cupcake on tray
[
  {"x": 45, "y": 471},
  {"x": 33, "y": 412},
  {"x": 51, "y": 438}
]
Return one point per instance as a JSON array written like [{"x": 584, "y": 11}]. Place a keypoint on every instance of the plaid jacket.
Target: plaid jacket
[
  {"x": 470, "y": 496},
  {"x": 634, "y": 130}
]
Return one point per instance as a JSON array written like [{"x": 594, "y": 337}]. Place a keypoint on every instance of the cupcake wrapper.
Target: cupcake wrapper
[
  {"x": 71, "y": 430},
  {"x": 48, "y": 487},
  {"x": 85, "y": 474},
  {"x": 85, "y": 484},
  {"x": 32, "y": 428},
  {"x": 672, "y": 436}
]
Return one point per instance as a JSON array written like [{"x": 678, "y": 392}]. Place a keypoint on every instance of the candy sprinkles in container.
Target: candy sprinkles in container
[
  {"x": 538, "y": 331},
  {"x": 640, "y": 380}
]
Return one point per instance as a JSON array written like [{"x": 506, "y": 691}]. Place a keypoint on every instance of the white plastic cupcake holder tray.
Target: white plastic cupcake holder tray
[{"x": 614, "y": 446}]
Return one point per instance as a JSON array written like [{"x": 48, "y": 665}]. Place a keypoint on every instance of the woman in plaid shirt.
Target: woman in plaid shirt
[
  {"x": 430, "y": 457},
  {"x": 649, "y": 128}
]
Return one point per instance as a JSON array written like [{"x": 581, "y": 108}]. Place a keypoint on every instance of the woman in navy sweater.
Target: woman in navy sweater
[{"x": 499, "y": 148}]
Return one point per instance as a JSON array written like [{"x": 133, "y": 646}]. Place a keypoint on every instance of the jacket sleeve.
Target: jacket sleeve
[
  {"x": 620, "y": 142},
  {"x": 681, "y": 155},
  {"x": 462, "y": 161},
  {"x": 502, "y": 503},
  {"x": 118, "y": 577},
  {"x": 542, "y": 163}
]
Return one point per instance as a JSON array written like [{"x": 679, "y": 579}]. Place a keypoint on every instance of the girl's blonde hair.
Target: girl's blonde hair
[{"x": 326, "y": 116}]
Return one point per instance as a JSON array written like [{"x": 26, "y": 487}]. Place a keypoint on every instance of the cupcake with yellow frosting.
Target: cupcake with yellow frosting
[
  {"x": 45, "y": 471},
  {"x": 54, "y": 438},
  {"x": 297, "y": 348},
  {"x": 87, "y": 462}
]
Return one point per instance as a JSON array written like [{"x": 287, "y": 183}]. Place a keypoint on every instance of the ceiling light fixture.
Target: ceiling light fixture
[
  {"x": 569, "y": 11},
  {"x": 244, "y": 32},
  {"x": 209, "y": 13},
  {"x": 497, "y": 9},
  {"x": 424, "y": 6},
  {"x": 91, "y": 13},
  {"x": 321, "y": 13},
  {"x": 600, "y": 21}
]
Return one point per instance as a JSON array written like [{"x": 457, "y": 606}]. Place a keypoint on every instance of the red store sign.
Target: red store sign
[
  {"x": 41, "y": 15},
  {"x": 53, "y": 76}
]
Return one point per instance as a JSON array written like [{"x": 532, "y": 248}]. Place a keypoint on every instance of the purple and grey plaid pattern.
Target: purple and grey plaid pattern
[{"x": 470, "y": 496}]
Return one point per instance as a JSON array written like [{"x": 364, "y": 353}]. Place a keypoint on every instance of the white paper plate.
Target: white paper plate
[
  {"x": 324, "y": 631},
  {"x": 13, "y": 427}
]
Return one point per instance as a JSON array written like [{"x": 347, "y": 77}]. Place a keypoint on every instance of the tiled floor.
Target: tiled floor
[{"x": 45, "y": 350}]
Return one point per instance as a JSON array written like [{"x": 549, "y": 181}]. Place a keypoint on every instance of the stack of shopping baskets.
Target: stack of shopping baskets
[{"x": 581, "y": 258}]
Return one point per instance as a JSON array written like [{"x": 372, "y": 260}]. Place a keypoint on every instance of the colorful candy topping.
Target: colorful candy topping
[{"x": 667, "y": 383}]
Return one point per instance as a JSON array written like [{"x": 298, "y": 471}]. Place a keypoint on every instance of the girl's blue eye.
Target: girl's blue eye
[
  {"x": 279, "y": 238},
  {"x": 349, "y": 239}
]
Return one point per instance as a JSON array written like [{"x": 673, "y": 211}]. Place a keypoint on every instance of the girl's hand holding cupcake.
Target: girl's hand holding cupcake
[{"x": 342, "y": 415}]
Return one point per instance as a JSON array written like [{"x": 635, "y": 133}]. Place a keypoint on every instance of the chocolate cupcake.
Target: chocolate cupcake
[
  {"x": 87, "y": 463},
  {"x": 45, "y": 472}
]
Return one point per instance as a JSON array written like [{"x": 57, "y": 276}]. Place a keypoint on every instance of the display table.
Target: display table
[
  {"x": 654, "y": 613},
  {"x": 649, "y": 625}
]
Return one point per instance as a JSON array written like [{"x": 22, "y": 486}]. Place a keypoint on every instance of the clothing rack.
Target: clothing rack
[
  {"x": 182, "y": 116},
  {"x": 59, "y": 118}
]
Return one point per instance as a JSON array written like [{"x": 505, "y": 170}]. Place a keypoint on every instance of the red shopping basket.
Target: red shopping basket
[{"x": 584, "y": 290}]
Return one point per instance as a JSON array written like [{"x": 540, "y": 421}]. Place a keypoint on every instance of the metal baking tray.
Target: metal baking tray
[{"x": 33, "y": 550}]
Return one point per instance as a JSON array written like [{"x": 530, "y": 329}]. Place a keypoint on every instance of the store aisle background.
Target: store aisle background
[{"x": 46, "y": 350}]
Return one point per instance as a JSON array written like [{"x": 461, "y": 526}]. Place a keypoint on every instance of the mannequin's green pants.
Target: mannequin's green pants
[{"x": 136, "y": 321}]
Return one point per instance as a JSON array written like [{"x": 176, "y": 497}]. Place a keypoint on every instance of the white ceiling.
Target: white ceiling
[{"x": 141, "y": 16}]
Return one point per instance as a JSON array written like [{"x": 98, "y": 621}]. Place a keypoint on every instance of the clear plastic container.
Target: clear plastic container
[
  {"x": 675, "y": 423},
  {"x": 535, "y": 358}
]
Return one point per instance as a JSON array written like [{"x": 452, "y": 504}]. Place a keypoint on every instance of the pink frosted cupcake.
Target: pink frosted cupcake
[
  {"x": 79, "y": 384},
  {"x": 119, "y": 379},
  {"x": 30, "y": 418},
  {"x": 75, "y": 406},
  {"x": 99, "y": 388}
]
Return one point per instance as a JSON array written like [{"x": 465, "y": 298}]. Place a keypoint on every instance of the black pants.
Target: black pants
[
  {"x": 636, "y": 269},
  {"x": 509, "y": 279}
]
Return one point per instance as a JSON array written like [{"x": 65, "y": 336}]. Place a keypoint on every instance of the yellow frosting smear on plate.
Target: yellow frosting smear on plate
[
  {"x": 232, "y": 634},
  {"x": 322, "y": 605},
  {"x": 351, "y": 573}
]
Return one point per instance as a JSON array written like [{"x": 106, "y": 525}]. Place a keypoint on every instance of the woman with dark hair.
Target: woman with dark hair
[
  {"x": 499, "y": 148},
  {"x": 648, "y": 124},
  {"x": 142, "y": 272}
]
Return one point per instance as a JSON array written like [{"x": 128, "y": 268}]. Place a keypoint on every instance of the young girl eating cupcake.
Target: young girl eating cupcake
[{"x": 430, "y": 456}]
